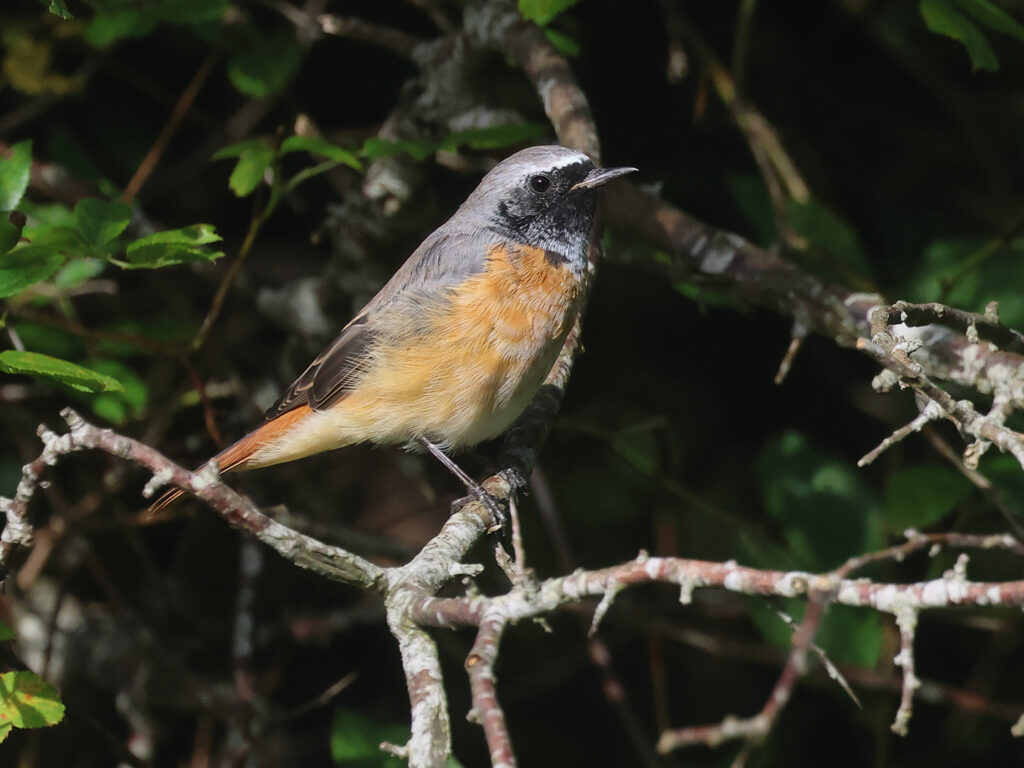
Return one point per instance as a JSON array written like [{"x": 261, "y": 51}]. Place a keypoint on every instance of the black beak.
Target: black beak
[{"x": 600, "y": 176}]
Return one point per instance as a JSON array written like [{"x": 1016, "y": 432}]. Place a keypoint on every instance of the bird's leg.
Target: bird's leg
[{"x": 474, "y": 488}]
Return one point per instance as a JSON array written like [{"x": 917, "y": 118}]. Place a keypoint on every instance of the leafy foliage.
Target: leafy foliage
[
  {"x": 74, "y": 376},
  {"x": 543, "y": 11},
  {"x": 27, "y": 701},
  {"x": 673, "y": 437},
  {"x": 950, "y": 18}
]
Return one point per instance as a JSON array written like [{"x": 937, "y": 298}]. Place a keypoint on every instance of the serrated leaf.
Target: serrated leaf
[
  {"x": 26, "y": 266},
  {"x": 14, "y": 175},
  {"x": 355, "y": 740},
  {"x": 264, "y": 65},
  {"x": 5, "y": 731},
  {"x": 98, "y": 222},
  {"x": 920, "y": 496},
  {"x": 943, "y": 19},
  {"x": 173, "y": 246},
  {"x": 993, "y": 17},
  {"x": 55, "y": 369},
  {"x": 6, "y": 633},
  {"x": 318, "y": 146},
  {"x": 494, "y": 137},
  {"x": 543, "y": 11},
  {"x": 157, "y": 256},
  {"x": 28, "y": 701}
]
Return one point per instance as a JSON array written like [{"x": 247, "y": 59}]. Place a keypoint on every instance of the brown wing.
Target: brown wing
[{"x": 331, "y": 375}]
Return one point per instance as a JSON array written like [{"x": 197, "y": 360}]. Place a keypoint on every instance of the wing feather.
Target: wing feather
[{"x": 443, "y": 261}]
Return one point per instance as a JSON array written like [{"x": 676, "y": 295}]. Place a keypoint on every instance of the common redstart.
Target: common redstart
[{"x": 457, "y": 343}]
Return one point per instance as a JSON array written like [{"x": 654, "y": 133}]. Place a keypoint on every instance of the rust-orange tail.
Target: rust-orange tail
[{"x": 235, "y": 457}]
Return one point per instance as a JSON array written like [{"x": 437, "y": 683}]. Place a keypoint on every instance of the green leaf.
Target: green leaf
[
  {"x": 6, "y": 633},
  {"x": 265, "y": 64},
  {"x": 254, "y": 158},
  {"x": 993, "y": 17},
  {"x": 830, "y": 233},
  {"x": 118, "y": 407},
  {"x": 564, "y": 44},
  {"x": 77, "y": 271},
  {"x": 543, "y": 11},
  {"x": 55, "y": 369},
  {"x": 241, "y": 148},
  {"x": 751, "y": 196},
  {"x": 26, "y": 266},
  {"x": 494, "y": 137},
  {"x": 355, "y": 741},
  {"x": 173, "y": 246},
  {"x": 28, "y": 701},
  {"x": 49, "y": 340},
  {"x": 98, "y": 222},
  {"x": 847, "y": 635},
  {"x": 975, "y": 273},
  {"x": 638, "y": 447},
  {"x": 5, "y": 730},
  {"x": 375, "y": 148},
  {"x": 14, "y": 173},
  {"x": 851, "y": 636},
  {"x": 59, "y": 8},
  {"x": 11, "y": 226},
  {"x": 45, "y": 215},
  {"x": 112, "y": 24},
  {"x": 943, "y": 19},
  {"x": 920, "y": 496},
  {"x": 826, "y": 511},
  {"x": 318, "y": 146},
  {"x": 136, "y": 332}
]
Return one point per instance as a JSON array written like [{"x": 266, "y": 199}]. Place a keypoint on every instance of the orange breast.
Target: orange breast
[
  {"x": 486, "y": 354},
  {"x": 487, "y": 351}
]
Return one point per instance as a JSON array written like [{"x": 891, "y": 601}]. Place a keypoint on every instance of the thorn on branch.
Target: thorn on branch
[{"x": 799, "y": 333}]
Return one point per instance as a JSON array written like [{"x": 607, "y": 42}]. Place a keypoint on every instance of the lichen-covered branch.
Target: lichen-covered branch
[{"x": 305, "y": 551}]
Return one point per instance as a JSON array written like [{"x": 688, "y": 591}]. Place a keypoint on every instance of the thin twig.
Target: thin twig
[{"x": 178, "y": 114}]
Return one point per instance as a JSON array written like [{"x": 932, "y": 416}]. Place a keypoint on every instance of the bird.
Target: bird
[{"x": 455, "y": 345}]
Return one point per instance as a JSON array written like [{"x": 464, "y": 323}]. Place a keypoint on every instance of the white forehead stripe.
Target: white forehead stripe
[{"x": 574, "y": 159}]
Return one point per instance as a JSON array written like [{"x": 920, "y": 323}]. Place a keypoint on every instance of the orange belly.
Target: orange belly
[{"x": 466, "y": 379}]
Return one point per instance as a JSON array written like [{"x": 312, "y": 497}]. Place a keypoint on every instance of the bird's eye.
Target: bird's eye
[{"x": 540, "y": 184}]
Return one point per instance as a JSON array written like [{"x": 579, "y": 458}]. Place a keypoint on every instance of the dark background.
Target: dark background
[{"x": 673, "y": 437}]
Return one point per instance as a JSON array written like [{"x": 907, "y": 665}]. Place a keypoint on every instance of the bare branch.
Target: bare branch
[
  {"x": 305, "y": 551},
  {"x": 486, "y": 708}
]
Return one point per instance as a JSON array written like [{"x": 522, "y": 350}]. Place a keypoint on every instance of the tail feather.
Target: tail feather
[{"x": 237, "y": 456}]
